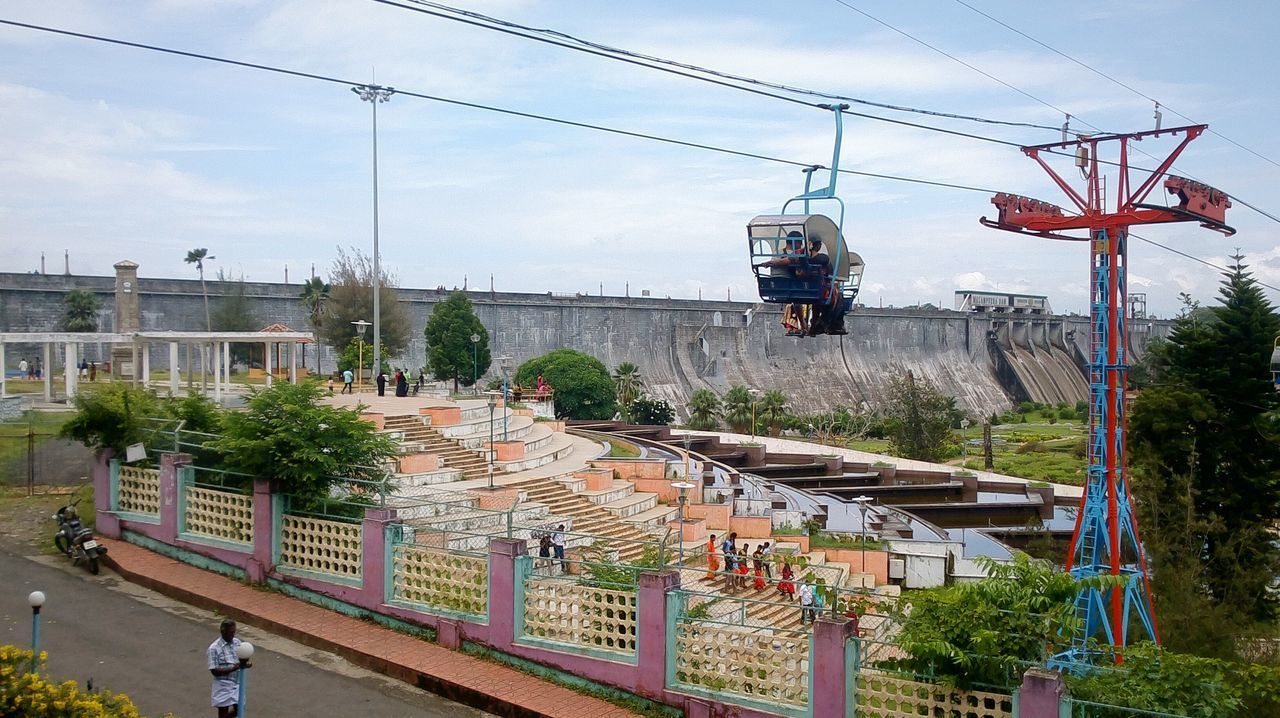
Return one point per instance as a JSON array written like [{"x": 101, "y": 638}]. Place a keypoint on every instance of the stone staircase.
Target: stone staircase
[
  {"x": 777, "y": 612},
  {"x": 416, "y": 437}
]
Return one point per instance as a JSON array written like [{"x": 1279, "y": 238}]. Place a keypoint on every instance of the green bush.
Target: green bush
[{"x": 30, "y": 695}]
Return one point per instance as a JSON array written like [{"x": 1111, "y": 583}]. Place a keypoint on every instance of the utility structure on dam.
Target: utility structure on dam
[{"x": 987, "y": 361}]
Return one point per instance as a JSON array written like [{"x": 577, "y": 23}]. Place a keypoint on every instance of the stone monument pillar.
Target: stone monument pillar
[{"x": 127, "y": 318}]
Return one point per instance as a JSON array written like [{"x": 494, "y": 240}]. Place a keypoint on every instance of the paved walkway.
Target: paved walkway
[{"x": 491, "y": 687}]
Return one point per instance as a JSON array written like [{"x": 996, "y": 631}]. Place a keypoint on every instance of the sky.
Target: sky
[{"x": 110, "y": 152}]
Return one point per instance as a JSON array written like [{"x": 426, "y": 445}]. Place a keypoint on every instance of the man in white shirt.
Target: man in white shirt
[
  {"x": 225, "y": 666},
  {"x": 807, "y": 611},
  {"x": 557, "y": 545}
]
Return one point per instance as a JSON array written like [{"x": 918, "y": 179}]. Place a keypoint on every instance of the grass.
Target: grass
[
  {"x": 623, "y": 450},
  {"x": 13, "y": 435},
  {"x": 826, "y": 540}
]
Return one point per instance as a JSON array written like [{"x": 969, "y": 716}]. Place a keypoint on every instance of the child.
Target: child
[
  {"x": 788, "y": 587},
  {"x": 740, "y": 567},
  {"x": 757, "y": 562}
]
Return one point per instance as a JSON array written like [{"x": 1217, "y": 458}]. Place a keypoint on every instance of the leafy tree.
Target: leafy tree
[
  {"x": 989, "y": 631},
  {"x": 315, "y": 297},
  {"x": 80, "y": 311},
  {"x": 1150, "y": 368},
  {"x": 583, "y": 387},
  {"x": 1207, "y": 434},
  {"x": 649, "y": 411},
  {"x": 351, "y": 299},
  {"x": 772, "y": 411},
  {"x": 704, "y": 410},
  {"x": 198, "y": 257},
  {"x": 450, "y": 352},
  {"x": 350, "y": 358},
  {"x": 112, "y": 416},
  {"x": 919, "y": 419},
  {"x": 308, "y": 448},
  {"x": 630, "y": 386},
  {"x": 738, "y": 409},
  {"x": 234, "y": 313}
]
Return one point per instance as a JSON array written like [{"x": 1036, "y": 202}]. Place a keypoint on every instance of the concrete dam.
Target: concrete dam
[{"x": 987, "y": 361}]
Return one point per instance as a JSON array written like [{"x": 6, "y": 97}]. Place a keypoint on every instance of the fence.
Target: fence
[
  {"x": 440, "y": 579},
  {"x": 213, "y": 507},
  {"x": 321, "y": 546},
  {"x": 139, "y": 491},
  {"x": 587, "y": 606},
  {"x": 884, "y": 695},
  {"x": 34, "y": 458}
]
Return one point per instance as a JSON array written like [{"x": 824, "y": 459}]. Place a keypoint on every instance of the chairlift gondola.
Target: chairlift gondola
[{"x": 802, "y": 261}]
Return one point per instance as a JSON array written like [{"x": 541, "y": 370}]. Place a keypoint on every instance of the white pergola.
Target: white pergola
[{"x": 218, "y": 345}]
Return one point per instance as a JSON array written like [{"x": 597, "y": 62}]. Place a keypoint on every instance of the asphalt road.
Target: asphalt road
[{"x": 128, "y": 639}]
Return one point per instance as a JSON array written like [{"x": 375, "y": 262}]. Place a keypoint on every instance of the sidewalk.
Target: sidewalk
[{"x": 488, "y": 686}]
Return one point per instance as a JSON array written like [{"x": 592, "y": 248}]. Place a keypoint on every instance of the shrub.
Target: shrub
[{"x": 31, "y": 696}]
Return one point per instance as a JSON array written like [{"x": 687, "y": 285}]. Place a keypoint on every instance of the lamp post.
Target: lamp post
[
  {"x": 502, "y": 362},
  {"x": 493, "y": 403},
  {"x": 244, "y": 651},
  {"x": 862, "y": 508},
  {"x": 35, "y": 599},
  {"x": 360, "y": 327},
  {"x": 683, "y": 487},
  {"x": 964, "y": 443},
  {"x": 755, "y": 393},
  {"x": 374, "y": 94},
  {"x": 475, "y": 362}
]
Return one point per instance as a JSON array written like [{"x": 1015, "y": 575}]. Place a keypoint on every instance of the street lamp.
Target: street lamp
[
  {"x": 862, "y": 507},
  {"x": 755, "y": 393},
  {"x": 35, "y": 599},
  {"x": 683, "y": 487},
  {"x": 493, "y": 403},
  {"x": 374, "y": 94},
  {"x": 475, "y": 363},
  {"x": 502, "y": 362},
  {"x": 244, "y": 651},
  {"x": 360, "y": 327},
  {"x": 964, "y": 443}
]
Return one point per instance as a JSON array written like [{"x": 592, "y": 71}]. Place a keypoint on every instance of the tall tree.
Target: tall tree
[
  {"x": 80, "y": 311},
  {"x": 1210, "y": 425},
  {"x": 582, "y": 385},
  {"x": 315, "y": 296},
  {"x": 351, "y": 299},
  {"x": 198, "y": 257},
  {"x": 772, "y": 411},
  {"x": 919, "y": 419},
  {"x": 450, "y": 352},
  {"x": 704, "y": 410},
  {"x": 630, "y": 386},
  {"x": 738, "y": 408}
]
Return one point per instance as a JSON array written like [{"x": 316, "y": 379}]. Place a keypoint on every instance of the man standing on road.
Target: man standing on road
[{"x": 225, "y": 667}]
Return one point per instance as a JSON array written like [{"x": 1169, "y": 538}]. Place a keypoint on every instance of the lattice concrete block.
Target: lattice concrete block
[
  {"x": 322, "y": 546},
  {"x": 139, "y": 490},
  {"x": 440, "y": 579},
  {"x": 772, "y": 668},
  {"x": 222, "y": 515},
  {"x": 885, "y": 696},
  {"x": 571, "y": 613}
]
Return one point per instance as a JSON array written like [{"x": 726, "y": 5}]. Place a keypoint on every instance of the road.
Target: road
[{"x": 129, "y": 639}]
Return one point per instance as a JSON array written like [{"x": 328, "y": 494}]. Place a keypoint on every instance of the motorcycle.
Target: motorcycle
[{"x": 74, "y": 540}]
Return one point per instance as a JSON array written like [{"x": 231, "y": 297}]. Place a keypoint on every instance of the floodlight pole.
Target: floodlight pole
[{"x": 374, "y": 94}]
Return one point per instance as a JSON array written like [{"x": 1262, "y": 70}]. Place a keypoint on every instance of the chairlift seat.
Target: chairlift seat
[{"x": 776, "y": 236}]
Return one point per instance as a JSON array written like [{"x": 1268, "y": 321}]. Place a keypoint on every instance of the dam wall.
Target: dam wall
[{"x": 680, "y": 345}]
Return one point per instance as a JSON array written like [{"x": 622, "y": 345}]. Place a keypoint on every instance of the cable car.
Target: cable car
[
  {"x": 1275, "y": 363},
  {"x": 801, "y": 260}
]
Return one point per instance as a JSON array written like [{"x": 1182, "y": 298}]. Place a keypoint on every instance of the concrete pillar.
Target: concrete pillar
[
  {"x": 374, "y": 547},
  {"x": 266, "y": 362},
  {"x": 293, "y": 362},
  {"x": 133, "y": 368},
  {"x": 502, "y": 590},
  {"x": 105, "y": 522},
  {"x": 146, "y": 364},
  {"x": 169, "y": 465},
  {"x": 72, "y": 369},
  {"x": 652, "y": 632},
  {"x": 827, "y": 662},
  {"x": 1041, "y": 694},
  {"x": 262, "y": 562},
  {"x": 3, "y": 375},
  {"x": 46, "y": 375},
  {"x": 173, "y": 368},
  {"x": 190, "y": 374},
  {"x": 226, "y": 366},
  {"x": 217, "y": 372}
]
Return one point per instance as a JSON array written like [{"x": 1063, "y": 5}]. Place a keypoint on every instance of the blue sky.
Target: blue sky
[{"x": 115, "y": 153}]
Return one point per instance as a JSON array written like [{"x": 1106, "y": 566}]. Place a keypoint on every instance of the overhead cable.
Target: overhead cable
[
  {"x": 571, "y": 42},
  {"x": 1105, "y": 76}
]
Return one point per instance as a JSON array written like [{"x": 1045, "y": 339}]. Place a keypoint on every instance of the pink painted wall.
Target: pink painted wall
[
  {"x": 378, "y": 419},
  {"x": 419, "y": 463},
  {"x": 635, "y": 468},
  {"x": 597, "y": 479},
  {"x": 508, "y": 450},
  {"x": 716, "y": 515},
  {"x": 442, "y": 416},
  {"x": 751, "y": 526},
  {"x": 877, "y": 561}
]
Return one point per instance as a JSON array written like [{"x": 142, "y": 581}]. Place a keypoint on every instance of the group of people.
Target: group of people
[
  {"x": 801, "y": 319},
  {"x": 740, "y": 562},
  {"x": 400, "y": 382},
  {"x": 31, "y": 369},
  {"x": 551, "y": 543}
]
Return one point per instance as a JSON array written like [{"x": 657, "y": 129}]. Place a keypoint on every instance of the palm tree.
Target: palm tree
[
  {"x": 315, "y": 293},
  {"x": 80, "y": 311},
  {"x": 737, "y": 408},
  {"x": 704, "y": 410},
  {"x": 197, "y": 257},
  {"x": 629, "y": 386},
  {"x": 772, "y": 411}
]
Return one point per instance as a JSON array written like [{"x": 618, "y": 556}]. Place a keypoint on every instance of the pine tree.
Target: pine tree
[
  {"x": 1211, "y": 425},
  {"x": 451, "y": 355}
]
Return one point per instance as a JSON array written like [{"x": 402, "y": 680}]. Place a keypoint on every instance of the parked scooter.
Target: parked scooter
[{"x": 76, "y": 541}]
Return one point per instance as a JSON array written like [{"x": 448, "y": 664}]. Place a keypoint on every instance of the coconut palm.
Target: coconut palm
[
  {"x": 704, "y": 410},
  {"x": 80, "y": 311},
  {"x": 198, "y": 257},
  {"x": 629, "y": 386},
  {"x": 772, "y": 411},
  {"x": 738, "y": 408},
  {"x": 315, "y": 293}
]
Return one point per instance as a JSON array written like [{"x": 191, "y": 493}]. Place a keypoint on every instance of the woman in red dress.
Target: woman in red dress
[
  {"x": 787, "y": 586},
  {"x": 757, "y": 560},
  {"x": 713, "y": 563}
]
